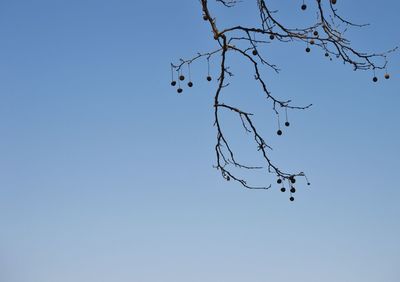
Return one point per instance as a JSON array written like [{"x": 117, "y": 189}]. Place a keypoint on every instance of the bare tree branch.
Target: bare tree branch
[{"x": 327, "y": 34}]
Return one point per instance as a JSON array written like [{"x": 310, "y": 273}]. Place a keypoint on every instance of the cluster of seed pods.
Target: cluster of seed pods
[
  {"x": 315, "y": 33},
  {"x": 375, "y": 78},
  {"x": 291, "y": 181},
  {"x": 181, "y": 77},
  {"x": 287, "y": 123}
]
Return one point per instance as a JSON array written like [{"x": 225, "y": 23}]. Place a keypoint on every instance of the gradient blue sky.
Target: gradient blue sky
[{"x": 106, "y": 173}]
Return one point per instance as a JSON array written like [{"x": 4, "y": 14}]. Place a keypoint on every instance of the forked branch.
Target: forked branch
[{"x": 327, "y": 34}]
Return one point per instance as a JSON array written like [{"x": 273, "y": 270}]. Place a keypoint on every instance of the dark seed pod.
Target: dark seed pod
[
  {"x": 190, "y": 84},
  {"x": 209, "y": 78},
  {"x": 375, "y": 79},
  {"x": 255, "y": 53},
  {"x": 181, "y": 77},
  {"x": 308, "y": 49},
  {"x": 387, "y": 76},
  {"x": 279, "y": 181},
  {"x": 292, "y": 190},
  {"x": 326, "y": 54},
  {"x": 287, "y": 123},
  {"x": 315, "y": 33},
  {"x": 308, "y": 183},
  {"x": 291, "y": 199},
  {"x": 173, "y": 83},
  {"x": 283, "y": 189},
  {"x": 303, "y": 7},
  {"x": 333, "y": 2},
  {"x": 279, "y": 132},
  {"x": 205, "y": 18},
  {"x": 293, "y": 180},
  {"x": 179, "y": 90},
  {"x": 312, "y": 42},
  {"x": 272, "y": 37}
]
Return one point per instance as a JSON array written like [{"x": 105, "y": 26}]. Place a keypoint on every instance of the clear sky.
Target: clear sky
[{"x": 106, "y": 172}]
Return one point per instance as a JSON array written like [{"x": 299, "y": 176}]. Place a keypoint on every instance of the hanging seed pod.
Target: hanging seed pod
[
  {"x": 208, "y": 70},
  {"x": 287, "y": 123},
  {"x": 173, "y": 81}
]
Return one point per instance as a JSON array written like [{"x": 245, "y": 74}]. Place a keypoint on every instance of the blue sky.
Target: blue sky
[{"x": 106, "y": 172}]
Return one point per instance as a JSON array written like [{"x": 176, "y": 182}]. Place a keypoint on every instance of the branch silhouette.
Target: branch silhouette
[{"x": 327, "y": 33}]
